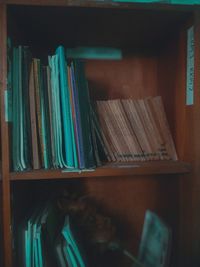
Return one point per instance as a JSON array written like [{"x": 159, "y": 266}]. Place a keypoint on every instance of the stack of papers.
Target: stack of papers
[{"x": 43, "y": 240}]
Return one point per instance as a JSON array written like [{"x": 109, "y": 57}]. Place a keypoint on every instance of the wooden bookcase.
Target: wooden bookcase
[{"x": 153, "y": 38}]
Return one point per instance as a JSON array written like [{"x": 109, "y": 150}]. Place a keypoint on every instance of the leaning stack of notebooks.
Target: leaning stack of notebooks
[
  {"x": 45, "y": 241},
  {"x": 54, "y": 124},
  {"x": 50, "y": 112},
  {"x": 135, "y": 130}
]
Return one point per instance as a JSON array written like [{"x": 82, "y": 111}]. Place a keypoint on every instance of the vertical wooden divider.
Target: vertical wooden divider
[
  {"x": 190, "y": 185},
  {"x": 7, "y": 243}
]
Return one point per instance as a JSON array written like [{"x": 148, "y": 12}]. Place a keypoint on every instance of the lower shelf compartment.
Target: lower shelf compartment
[{"x": 110, "y": 169}]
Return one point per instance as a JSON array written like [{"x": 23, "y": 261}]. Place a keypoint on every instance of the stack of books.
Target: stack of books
[
  {"x": 135, "y": 130},
  {"x": 51, "y": 117}
]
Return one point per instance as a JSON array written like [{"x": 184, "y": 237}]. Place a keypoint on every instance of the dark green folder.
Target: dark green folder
[
  {"x": 26, "y": 64},
  {"x": 59, "y": 161},
  {"x": 67, "y": 121},
  {"x": 19, "y": 163},
  {"x": 84, "y": 103}
]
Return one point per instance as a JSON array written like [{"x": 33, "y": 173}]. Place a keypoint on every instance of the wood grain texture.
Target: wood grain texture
[
  {"x": 190, "y": 188},
  {"x": 134, "y": 77},
  {"x": 1, "y": 227},
  {"x": 130, "y": 169},
  {"x": 99, "y": 3},
  {"x": 128, "y": 199},
  {"x": 172, "y": 64},
  {"x": 7, "y": 244},
  {"x": 185, "y": 128}
]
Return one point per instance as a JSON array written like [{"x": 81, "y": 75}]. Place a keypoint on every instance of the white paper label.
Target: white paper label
[{"x": 190, "y": 67}]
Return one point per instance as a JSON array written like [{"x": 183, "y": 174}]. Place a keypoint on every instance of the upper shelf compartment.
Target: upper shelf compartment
[
  {"x": 137, "y": 30},
  {"x": 127, "y": 28}
]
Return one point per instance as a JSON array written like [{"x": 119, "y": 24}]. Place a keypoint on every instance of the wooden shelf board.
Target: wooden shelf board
[
  {"x": 127, "y": 169},
  {"x": 99, "y": 3}
]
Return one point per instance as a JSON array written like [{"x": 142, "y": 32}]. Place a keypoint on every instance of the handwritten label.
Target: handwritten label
[{"x": 190, "y": 67}]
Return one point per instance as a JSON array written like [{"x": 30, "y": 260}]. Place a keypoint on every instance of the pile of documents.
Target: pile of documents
[
  {"x": 135, "y": 130},
  {"x": 50, "y": 112},
  {"x": 45, "y": 241}
]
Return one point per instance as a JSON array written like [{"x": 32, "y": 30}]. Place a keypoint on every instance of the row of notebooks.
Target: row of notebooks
[
  {"x": 50, "y": 112},
  {"x": 44, "y": 240},
  {"x": 47, "y": 239},
  {"x": 55, "y": 125},
  {"x": 135, "y": 130}
]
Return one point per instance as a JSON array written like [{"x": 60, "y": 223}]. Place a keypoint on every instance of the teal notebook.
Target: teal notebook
[
  {"x": 176, "y": 2},
  {"x": 140, "y": 1},
  {"x": 67, "y": 120},
  {"x": 58, "y": 142},
  {"x": 94, "y": 53},
  {"x": 19, "y": 162}
]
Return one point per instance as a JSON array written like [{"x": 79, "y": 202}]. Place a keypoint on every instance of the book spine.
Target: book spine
[
  {"x": 49, "y": 89},
  {"x": 101, "y": 137},
  {"x": 84, "y": 106},
  {"x": 161, "y": 115},
  {"x": 65, "y": 108},
  {"x": 36, "y": 63},
  {"x": 32, "y": 106},
  {"x": 135, "y": 123},
  {"x": 109, "y": 130},
  {"x": 129, "y": 135},
  {"x": 76, "y": 117}
]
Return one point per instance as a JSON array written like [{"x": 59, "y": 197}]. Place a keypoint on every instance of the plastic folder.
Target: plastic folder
[
  {"x": 66, "y": 108},
  {"x": 77, "y": 117},
  {"x": 59, "y": 160},
  {"x": 176, "y": 2},
  {"x": 94, "y": 53}
]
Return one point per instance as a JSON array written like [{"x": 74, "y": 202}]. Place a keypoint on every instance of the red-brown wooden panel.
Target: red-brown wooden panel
[
  {"x": 127, "y": 200},
  {"x": 7, "y": 247}
]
